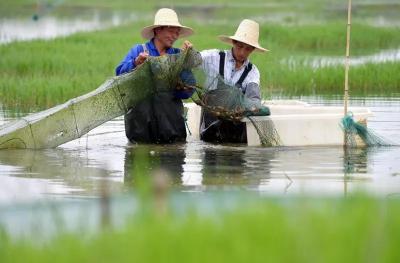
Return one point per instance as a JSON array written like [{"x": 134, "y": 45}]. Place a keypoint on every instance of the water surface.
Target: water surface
[{"x": 79, "y": 168}]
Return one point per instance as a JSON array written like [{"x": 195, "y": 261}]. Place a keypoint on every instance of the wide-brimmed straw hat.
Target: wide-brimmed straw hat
[
  {"x": 248, "y": 33},
  {"x": 166, "y": 17}
]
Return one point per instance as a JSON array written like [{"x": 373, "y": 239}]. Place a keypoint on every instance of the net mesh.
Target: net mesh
[
  {"x": 76, "y": 117},
  {"x": 227, "y": 101},
  {"x": 266, "y": 131},
  {"x": 173, "y": 71},
  {"x": 357, "y": 134}
]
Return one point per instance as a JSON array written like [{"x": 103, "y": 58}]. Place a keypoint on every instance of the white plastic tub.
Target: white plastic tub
[{"x": 297, "y": 123}]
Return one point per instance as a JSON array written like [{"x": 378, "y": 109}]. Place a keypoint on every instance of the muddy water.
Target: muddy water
[{"x": 80, "y": 168}]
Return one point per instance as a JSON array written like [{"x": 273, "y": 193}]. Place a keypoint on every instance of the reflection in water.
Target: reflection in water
[
  {"x": 192, "y": 175},
  {"x": 223, "y": 166},
  {"x": 303, "y": 170},
  {"x": 236, "y": 166},
  {"x": 355, "y": 160},
  {"x": 13, "y": 29},
  {"x": 354, "y": 163},
  {"x": 168, "y": 158},
  {"x": 297, "y": 170},
  {"x": 197, "y": 166},
  {"x": 30, "y": 174}
]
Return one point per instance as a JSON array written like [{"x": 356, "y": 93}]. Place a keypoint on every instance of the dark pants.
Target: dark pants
[
  {"x": 220, "y": 131},
  {"x": 158, "y": 119}
]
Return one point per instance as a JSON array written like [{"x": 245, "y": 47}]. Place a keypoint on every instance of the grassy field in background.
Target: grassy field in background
[
  {"x": 40, "y": 74},
  {"x": 148, "y": 4},
  {"x": 285, "y": 12},
  {"x": 356, "y": 229}
]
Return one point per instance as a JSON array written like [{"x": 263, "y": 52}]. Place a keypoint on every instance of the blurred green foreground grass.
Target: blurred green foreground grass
[{"x": 355, "y": 229}]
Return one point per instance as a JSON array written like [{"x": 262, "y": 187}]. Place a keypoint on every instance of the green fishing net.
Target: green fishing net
[
  {"x": 166, "y": 72},
  {"x": 357, "y": 134},
  {"x": 227, "y": 102},
  {"x": 266, "y": 131},
  {"x": 76, "y": 117}
]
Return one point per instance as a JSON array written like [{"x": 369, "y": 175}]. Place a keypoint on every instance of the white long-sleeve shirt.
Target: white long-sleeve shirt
[{"x": 210, "y": 65}]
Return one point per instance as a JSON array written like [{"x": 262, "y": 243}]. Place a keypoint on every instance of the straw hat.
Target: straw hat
[
  {"x": 247, "y": 32},
  {"x": 166, "y": 17}
]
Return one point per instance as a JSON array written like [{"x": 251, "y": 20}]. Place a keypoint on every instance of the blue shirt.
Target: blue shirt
[{"x": 127, "y": 65}]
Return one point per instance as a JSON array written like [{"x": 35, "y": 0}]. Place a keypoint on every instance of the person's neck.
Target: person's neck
[
  {"x": 238, "y": 63},
  {"x": 162, "y": 49}
]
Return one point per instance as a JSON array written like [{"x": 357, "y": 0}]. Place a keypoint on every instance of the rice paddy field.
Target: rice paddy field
[
  {"x": 33, "y": 79},
  {"x": 94, "y": 199}
]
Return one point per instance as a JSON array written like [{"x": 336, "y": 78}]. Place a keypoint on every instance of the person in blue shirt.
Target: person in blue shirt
[{"x": 158, "y": 119}]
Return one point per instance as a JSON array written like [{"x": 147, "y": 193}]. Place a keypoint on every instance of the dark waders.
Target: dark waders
[{"x": 158, "y": 119}]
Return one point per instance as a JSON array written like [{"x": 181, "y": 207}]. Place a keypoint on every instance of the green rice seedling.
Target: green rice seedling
[
  {"x": 354, "y": 229},
  {"x": 40, "y": 74}
]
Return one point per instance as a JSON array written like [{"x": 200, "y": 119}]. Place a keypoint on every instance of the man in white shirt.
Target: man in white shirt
[{"x": 234, "y": 67}]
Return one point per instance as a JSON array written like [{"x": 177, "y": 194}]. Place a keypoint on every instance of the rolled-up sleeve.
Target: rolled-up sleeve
[
  {"x": 127, "y": 64},
  {"x": 252, "y": 85},
  {"x": 253, "y": 92}
]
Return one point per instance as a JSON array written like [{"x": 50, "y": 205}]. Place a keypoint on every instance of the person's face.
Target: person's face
[
  {"x": 167, "y": 35},
  {"x": 241, "y": 51}
]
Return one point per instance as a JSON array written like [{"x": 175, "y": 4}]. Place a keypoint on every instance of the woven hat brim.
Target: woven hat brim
[
  {"x": 228, "y": 39},
  {"x": 148, "y": 33}
]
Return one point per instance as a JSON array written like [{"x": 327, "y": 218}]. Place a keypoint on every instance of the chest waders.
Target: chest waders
[
  {"x": 213, "y": 129},
  {"x": 158, "y": 119}
]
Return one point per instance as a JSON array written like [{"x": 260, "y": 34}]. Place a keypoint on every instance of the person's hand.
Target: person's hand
[
  {"x": 186, "y": 45},
  {"x": 141, "y": 58},
  {"x": 181, "y": 86}
]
